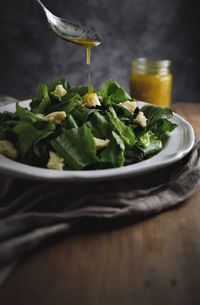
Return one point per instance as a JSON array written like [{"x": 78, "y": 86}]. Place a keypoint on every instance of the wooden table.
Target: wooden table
[{"x": 156, "y": 261}]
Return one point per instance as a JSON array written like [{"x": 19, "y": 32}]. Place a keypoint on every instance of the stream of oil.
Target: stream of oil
[
  {"x": 88, "y": 44},
  {"x": 89, "y": 73}
]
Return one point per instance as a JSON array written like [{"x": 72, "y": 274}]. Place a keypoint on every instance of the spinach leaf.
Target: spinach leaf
[
  {"x": 119, "y": 96},
  {"x": 122, "y": 113},
  {"x": 113, "y": 154},
  {"x": 149, "y": 144},
  {"x": 124, "y": 131},
  {"x": 28, "y": 116},
  {"x": 113, "y": 92},
  {"x": 79, "y": 90},
  {"x": 31, "y": 128},
  {"x": 81, "y": 113},
  {"x": 155, "y": 114},
  {"x": 69, "y": 102},
  {"x": 8, "y": 116},
  {"x": 163, "y": 127},
  {"x": 28, "y": 134},
  {"x": 43, "y": 100},
  {"x": 100, "y": 125},
  {"x": 70, "y": 122},
  {"x": 77, "y": 147}
]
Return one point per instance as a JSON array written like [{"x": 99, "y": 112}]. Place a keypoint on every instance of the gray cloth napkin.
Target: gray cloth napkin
[{"x": 33, "y": 212}]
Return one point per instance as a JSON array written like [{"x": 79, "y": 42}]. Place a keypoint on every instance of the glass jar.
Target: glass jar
[{"x": 151, "y": 81}]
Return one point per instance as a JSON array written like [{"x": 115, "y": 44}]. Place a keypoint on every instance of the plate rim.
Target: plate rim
[{"x": 21, "y": 170}]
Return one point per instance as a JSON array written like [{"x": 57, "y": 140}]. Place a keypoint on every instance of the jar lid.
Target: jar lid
[{"x": 144, "y": 65}]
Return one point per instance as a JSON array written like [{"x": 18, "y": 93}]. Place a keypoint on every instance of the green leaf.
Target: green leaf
[
  {"x": 163, "y": 127},
  {"x": 70, "y": 122},
  {"x": 37, "y": 143},
  {"x": 119, "y": 96},
  {"x": 122, "y": 113},
  {"x": 100, "y": 125},
  {"x": 77, "y": 147},
  {"x": 81, "y": 113},
  {"x": 46, "y": 129},
  {"x": 109, "y": 88},
  {"x": 69, "y": 102},
  {"x": 115, "y": 92},
  {"x": 81, "y": 90},
  {"x": 28, "y": 116},
  {"x": 31, "y": 128},
  {"x": 28, "y": 134},
  {"x": 124, "y": 131},
  {"x": 118, "y": 140},
  {"x": 146, "y": 139},
  {"x": 155, "y": 114},
  {"x": 149, "y": 144},
  {"x": 43, "y": 100},
  {"x": 113, "y": 154},
  {"x": 7, "y": 116}
]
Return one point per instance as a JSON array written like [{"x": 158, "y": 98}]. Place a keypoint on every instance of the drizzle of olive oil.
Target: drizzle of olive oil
[
  {"x": 88, "y": 55},
  {"x": 88, "y": 44}
]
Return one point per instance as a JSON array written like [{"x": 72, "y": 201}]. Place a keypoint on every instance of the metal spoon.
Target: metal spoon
[{"x": 70, "y": 31}]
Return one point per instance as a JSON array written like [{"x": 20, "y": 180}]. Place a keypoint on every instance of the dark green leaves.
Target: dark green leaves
[
  {"x": 68, "y": 103},
  {"x": 100, "y": 125},
  {"x": 28, "y": 116},
  {"x": 155, "y": 114},
  {"x": 113, "y": 155},
  {"x": 43, "y": 100},
  {"x": 30, "y": 128},
  {"x": 113, "y": 92},
  {"x": 28, "y": 135},
  {"x": 124, "y": 131},
  {"x": 77, "y": 147},
  {"x": 73, "y": 137},
  {"x": 157, "y": 121},
  {"x": 163, "y": 126},
  {"x": 79, "y": 90}
]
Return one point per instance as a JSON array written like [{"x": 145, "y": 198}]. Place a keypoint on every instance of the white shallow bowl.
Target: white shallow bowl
[{"x": 178, "y": 145}]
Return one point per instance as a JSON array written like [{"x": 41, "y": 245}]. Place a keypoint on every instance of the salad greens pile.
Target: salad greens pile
[{"x": 78, "y": 130}]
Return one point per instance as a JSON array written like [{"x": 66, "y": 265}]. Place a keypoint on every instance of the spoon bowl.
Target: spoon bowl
[{"x": 70, "y": 31}]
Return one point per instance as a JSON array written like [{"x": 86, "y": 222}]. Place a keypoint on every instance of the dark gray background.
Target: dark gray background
[{"x": 31, "y": 53}]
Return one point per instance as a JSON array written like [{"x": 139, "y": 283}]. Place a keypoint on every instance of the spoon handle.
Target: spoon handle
[{"x": 43, "y": 6}]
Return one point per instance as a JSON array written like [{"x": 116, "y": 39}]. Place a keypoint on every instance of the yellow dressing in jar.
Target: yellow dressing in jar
[{"x": 151, "y": 81}]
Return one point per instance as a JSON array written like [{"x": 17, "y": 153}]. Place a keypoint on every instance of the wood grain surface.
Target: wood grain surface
[{"x": 153, "y": 262}]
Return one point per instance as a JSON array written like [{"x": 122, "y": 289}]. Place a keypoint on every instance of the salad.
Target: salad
[{"x": 82, "y": 128}]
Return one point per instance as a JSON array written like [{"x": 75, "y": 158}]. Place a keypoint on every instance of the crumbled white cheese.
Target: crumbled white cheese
[
  {"x": 56, "y": 117},
  {"x": 141, "y": 119},
  {"x": 7, "y": 149},
  {"x": 130, "y": 106},
  {"x": 100, "y": 144},
  {"x": 55, "y": 161},
  {"x": 60, "y": 91},
  {"x": 91, "y": 100}
]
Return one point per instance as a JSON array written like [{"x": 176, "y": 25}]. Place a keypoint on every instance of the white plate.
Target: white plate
[{"x": 179, "y": 144}]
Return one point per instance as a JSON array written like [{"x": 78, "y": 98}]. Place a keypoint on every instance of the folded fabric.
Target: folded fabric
[{"x": 32, "y": 212}]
